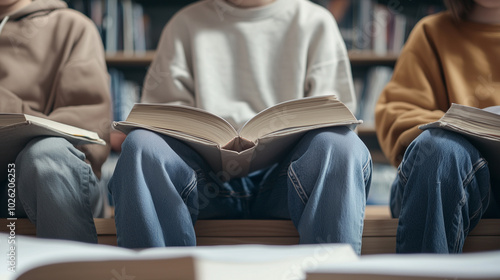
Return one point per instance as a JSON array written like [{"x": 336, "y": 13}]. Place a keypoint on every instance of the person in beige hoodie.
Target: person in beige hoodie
[
  {"x": 52, "y": 66},
  {"x": 443, "y": 187}
]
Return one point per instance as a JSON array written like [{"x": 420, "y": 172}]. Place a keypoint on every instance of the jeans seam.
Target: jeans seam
[
  {"x": 455, "y": 248},
  {"x": 86, "y": 192},
  {"x": 466, "y": 183},
  {"x": 474, "y": 170},
  {"x": 402, "y": 175},
  {"x": 188, "y": 189},
  {"x": 364, "y": 169},
  {"x": 297, "y": 186},
  {"x": 468, "y": 180}
]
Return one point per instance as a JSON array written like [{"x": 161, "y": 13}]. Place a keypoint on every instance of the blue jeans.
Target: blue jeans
[
  {"x": 55, "y": 189},
  {"x": 161, "y": 187},
  {"x": 441, "y": 192}
]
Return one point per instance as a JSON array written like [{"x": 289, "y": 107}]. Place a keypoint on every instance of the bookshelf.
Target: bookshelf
[
  {"x": 121, "y": 59},
  {"x": 357, "y": 58}
]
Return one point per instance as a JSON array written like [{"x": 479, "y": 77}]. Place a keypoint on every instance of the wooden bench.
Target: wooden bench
[{"x": 379, "y": 234}]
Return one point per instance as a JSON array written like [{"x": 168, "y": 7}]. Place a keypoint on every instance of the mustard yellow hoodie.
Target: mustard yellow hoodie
[
  {"x": 444, "y": 61},
  {"x": 52, "y": 65}
]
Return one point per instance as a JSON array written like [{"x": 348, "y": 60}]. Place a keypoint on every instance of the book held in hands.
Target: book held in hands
[
  {"x": 16, "y": 130},
  {"x": 261, "y": 141}
]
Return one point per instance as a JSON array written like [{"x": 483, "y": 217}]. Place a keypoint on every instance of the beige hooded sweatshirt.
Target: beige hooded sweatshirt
[{"x": 52, "y": 65}]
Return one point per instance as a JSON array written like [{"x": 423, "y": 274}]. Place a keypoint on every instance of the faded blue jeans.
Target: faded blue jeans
[
  {"x": 56, "y": 189},
  {"x": 161, "y": 187},
  {"x": 440, "y": 193}
]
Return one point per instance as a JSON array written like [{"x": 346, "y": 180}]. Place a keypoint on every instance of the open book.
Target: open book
[
  {"x": 480, "y": 126},
  {"x": 261, "y": 141},
  {"x": 37, "y": 258},
  {"x": 484, "y": 265},
  {"x": 16, "y": 130}
]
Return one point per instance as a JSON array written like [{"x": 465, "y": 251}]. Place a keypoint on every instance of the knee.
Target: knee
[
  {"x": 151, "y": 157},
  {"x": 445, "y": 162},
  {"x": 338, "y": 142},
  {"x": 53, "y": 170},
  {"x": 434, "y": 146},
  {"x": 139, "y": 141},
  {"x": 48, "y": 156},
  {"x": 149, "y": 148},
  {"x": 43, "y": 147}
]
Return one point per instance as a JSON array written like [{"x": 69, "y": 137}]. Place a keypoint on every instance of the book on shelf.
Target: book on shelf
[
  {"x": 261, "y": 141},
  {"x": 16, "y": 130},
  {"x": 374, "y": 83},
  {"x": 124, "y": 94},
  {"x": 480, "y": 126},
  {"x": 378, "y": 26},
  {"x": 35, "y": 258}
]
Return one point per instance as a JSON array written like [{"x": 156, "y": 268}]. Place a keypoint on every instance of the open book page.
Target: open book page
[
  {"x": 19, "y": 129},
  {"x": 192, "y": 122},
  {"x": 7, "y": 120},
  {"x": 211, "y": 262},
  {"x": 493, "y": 109},
  {"x": 37, "y": 258},
  {"x": 471, "y": 121},
  {"x": 413, "y": 266},
  {"x": 67, "y": 129},
  {"x": 299, "y": 113}
]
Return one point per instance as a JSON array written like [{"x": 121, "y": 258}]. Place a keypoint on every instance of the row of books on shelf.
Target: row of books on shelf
[
  {"x": 369, "y": 25},
  {"x": 124, "y": 94},
  {"x": 122, "y": 24},
  {"x": 368, "y": 88}
]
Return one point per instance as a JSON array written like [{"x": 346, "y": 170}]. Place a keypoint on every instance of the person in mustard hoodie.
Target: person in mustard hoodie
[
  {"x": 443, "y": 187},
  {"x": 52, "y": 66}
]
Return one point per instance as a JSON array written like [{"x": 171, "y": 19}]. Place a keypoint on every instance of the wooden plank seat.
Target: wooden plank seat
[{"x": 379, "y": 234}]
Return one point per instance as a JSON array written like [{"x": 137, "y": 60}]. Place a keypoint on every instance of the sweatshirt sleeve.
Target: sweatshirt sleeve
[
  {"x": 169, "y": 78},
  {"x": 81, "y": 92},
  {"x": 412, "y": 96},
  {"x": 11, "y": 103},
  {"x": 329, "y": 68}
]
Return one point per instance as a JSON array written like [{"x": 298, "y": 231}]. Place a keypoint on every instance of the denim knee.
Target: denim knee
[
  {"x": 435, "y": 146},
  {"x": 47, "y": 170},
  {"x": 45, "y": 158},
  {"x": 339, "y": 142},
  {"x": 444, "y": 156},
  {"x": 335, "y": 150},
  {"x": 154, "y": 157},
  {"x": 141, "y": 142}
]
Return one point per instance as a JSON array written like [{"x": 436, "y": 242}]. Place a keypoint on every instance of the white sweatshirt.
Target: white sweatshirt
[{"x": 236, "y": 62}]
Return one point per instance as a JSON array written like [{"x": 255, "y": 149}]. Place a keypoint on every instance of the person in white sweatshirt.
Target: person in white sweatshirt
[{"x": 235, "y": 58}]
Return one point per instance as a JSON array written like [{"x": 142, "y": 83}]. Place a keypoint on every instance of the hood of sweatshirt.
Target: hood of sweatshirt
[{"x": 38, "y": 7}]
